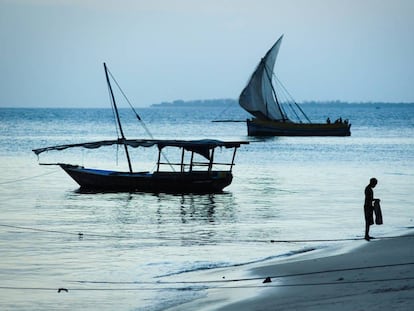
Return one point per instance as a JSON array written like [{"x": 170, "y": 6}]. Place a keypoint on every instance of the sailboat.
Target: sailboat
[
  {"x": 190, "y": 175},
  {"x": 261, "y": 99}
]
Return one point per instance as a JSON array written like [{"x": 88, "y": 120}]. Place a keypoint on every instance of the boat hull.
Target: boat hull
[
  {"x": 256, "y": 127},
  {"x": 157, "y": 182}
]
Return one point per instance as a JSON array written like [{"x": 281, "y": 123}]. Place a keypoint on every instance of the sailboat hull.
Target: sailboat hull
[
  {"x": 256, "y": 127},
  {"x": 157, "y": 182}
]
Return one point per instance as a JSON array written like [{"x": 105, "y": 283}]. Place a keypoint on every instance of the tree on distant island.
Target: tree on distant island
[{"x": 198, "y": 103}]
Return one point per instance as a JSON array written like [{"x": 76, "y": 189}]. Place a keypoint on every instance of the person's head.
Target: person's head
[{"x": 373, "y": 182}]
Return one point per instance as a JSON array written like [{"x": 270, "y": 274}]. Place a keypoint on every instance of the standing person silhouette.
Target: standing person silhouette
[{"x": 368, "y": 206}]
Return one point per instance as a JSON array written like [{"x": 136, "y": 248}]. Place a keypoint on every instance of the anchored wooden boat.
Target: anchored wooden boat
[
  {"x": 262, "y": 99},
  {"x": 201, "y": 174},
  {"x": 185, "y": 176}
]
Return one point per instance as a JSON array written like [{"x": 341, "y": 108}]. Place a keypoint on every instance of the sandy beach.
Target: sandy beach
[{"x": 375, "y": 275}]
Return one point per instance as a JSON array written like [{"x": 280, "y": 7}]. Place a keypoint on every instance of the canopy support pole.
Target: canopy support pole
[
  {"x": 159, "y": 159},
  {"x": 182, "y": 160},
  {"x": 210, "y": 165},
  {"x": 233, "y": 158},
  {"x": 191, "y": 161}
]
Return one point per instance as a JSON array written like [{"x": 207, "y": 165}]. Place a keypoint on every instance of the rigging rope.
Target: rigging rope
[
  {"x": 291, "y": 97},
  {"x": 157, "y": 286},
  {"x": 198, "y": 288},
  {"x": 294, "y": 111},
  {"x": 229, "y": 105},
  {"x": 116, "y": 126},
  {"x": 27, "y": 178},
  {"x": 130, "y": 105},
  {"x": 279, "y": 106},
  {"x": 180, "y": 239},
  {"x": 139, "y": 118},
  {"x": 279, "y": 276},
  {"x": 113, "y": 112}
]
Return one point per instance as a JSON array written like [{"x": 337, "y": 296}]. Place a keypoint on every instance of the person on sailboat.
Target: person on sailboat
[{"x": 369, "y": 206}]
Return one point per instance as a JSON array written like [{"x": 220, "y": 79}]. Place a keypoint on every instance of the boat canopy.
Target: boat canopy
[
  {"x": 201, "y": 147},
  {"x": 258, "y": 97}
]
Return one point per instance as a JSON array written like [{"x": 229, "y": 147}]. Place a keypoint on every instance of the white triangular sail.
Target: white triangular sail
[{"x": 258, "y": 97}]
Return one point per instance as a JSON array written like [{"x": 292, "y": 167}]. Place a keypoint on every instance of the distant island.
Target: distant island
[
  {"x": 198, "y": 103},
  {"x": 228, "y": 102}
]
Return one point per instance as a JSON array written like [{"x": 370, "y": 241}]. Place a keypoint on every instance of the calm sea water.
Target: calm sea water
[{"x": 284, "y": 188}]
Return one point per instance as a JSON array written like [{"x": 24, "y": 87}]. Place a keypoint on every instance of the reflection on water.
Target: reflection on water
[
  {"x": 203, "y": 208},
  {"x": 184, "y": 218},
  {"x": 193, "y": 207}
]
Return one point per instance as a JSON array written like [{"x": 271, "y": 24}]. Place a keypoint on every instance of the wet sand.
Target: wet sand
[{"x": 377, "y": 275}]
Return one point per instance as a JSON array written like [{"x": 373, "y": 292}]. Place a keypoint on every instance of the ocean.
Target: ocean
[{"x": 137, "y": 251}]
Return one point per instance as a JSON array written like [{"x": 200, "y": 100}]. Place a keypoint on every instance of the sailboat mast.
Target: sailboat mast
[
  {"x": 118, "y": 118},
  {"x": 274, "y": 93}
]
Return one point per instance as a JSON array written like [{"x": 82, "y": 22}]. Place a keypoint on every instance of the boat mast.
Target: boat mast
[
  {"x": 274, "y": 93},
  {"x": 117, "y": 118}
]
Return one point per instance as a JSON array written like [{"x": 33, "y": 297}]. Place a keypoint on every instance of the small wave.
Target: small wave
[
  {"x": 198, "y": 266},
  {"x": 205, "y": 265},
  {"x": 288, "y": 254},
  {"x": 399, "y": 174}
]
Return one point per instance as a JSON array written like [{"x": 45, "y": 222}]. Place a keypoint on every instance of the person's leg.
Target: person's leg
[{"x": 367, "y": 237}]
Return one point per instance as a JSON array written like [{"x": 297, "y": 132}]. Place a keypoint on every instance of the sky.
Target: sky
[{"x": 52, "y": 51}]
